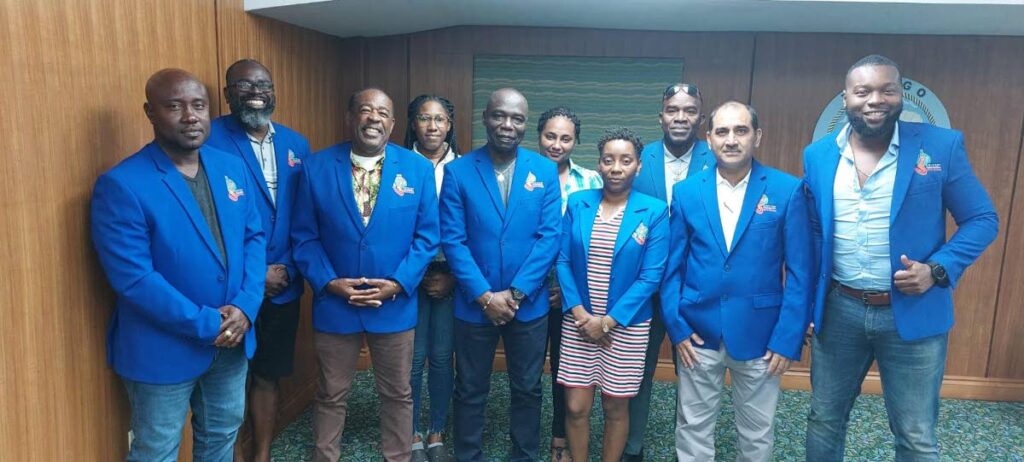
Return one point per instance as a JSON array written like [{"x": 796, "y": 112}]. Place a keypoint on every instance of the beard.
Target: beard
[
  {"x": 252, "y": 118},
  {"x": 866, "y": 131}
]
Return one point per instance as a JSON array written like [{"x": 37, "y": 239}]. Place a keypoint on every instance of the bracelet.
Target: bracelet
[{"x": 488, "y": 302}]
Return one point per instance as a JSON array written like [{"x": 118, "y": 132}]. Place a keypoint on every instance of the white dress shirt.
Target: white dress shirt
[
  {"x": 676, "y": 169},
  {"x": 265, "y": 155},
  {"x": 730, "y": 201}
]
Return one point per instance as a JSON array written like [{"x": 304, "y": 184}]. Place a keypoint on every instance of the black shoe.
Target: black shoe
[
  {"x": 420, "y": 455},
  {"x": 439, "y": 454},
  {"x": 633, "y": 457}
]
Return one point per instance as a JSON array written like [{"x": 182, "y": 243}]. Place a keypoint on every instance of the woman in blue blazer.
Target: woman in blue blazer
[{"x": 613, "y": 253}]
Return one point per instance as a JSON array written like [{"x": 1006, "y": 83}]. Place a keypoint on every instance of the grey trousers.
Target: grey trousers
[{"x": 755, "y": 394}]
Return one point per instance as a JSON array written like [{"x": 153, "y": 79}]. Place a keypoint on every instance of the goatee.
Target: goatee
[{"x": 250, "y": 118}]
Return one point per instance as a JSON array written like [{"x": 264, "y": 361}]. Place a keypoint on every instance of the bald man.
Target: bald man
[
  {"x": 501, "y": 212},
  {"x": 179, "y": 237}
]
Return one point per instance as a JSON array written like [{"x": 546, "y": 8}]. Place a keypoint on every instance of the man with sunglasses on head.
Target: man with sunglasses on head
[
  {"x": 273, "y": 156},
  {"x": 677, "y": 156}
]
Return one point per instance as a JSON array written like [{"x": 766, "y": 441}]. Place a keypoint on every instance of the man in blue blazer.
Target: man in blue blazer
[
  {"x": 738, "y": 287},
  {"x": 500, "y": 217},
  {"x": 679, "y": 154},
  {"x": 887, "y": 272},
  {"x": 273, "y": 154},
  {"x": 364, "y": 228},
  {"x": 178, "y": 234}
]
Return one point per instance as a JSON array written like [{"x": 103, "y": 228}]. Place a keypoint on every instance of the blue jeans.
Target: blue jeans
[
  {"x": 434, "y": 340},
  {"x": 217, "y": 399},
  {"x": 852, "y": 335},
  {"x": 524, "y": 358}
]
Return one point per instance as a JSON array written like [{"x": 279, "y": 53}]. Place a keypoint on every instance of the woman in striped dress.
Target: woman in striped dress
[{"x": 614, "y": 247}]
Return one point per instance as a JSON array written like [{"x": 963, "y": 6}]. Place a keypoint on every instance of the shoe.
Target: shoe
[
  {"x": 633, "y": 457},
  {"x": 437, "y": 453},
  {"x": 560, "y": 454},
  {"x": 420, "y": 455}
]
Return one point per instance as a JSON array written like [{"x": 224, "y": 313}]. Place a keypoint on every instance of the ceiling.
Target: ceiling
[{"x": 351, "y": 18}]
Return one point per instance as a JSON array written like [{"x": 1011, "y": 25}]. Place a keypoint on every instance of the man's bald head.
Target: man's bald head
[
  {"x": 178, "y": 106},
  {"x": 505, "y": 121}
]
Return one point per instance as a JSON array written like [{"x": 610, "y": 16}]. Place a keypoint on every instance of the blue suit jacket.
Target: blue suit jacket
[
  {"x": 638, "y": 262},
  {"x": 917, "y": 226},
  {"x": 493, "y": 247},
  {"x": 164, "y": 265},
  {"x": 330, "y": 240},
  {"x": 651, "y": 179},
  {"x": 290, "y": 148},
  {"x": 738, "y": 296}
]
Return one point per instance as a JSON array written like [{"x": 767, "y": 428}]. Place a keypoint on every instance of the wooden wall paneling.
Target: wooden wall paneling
[
  {"x": 386, "y": 66},
  {"x": 1005, "y": 359},
  {"x": 74, "y": 79},
  {"x": 795, "y": 76}
]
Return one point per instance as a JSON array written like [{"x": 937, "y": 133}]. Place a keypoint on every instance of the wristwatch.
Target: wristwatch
[
  {"x": 517, "y": 295},
  {"x": 939, "y": 274}
]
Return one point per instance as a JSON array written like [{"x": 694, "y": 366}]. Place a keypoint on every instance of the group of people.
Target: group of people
[{"x": 431, "y": 256}]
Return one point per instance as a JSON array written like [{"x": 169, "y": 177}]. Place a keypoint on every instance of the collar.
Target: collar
[
  {"x": 267, "y": 139},
  {"x": 843, "y": 140},
  {"x": 447, "y": 157},
  {"x": 721, "y": 181},
  {"x": 576, "y": 169},
  {"x": 366, "y": 163},
  {"x": 669, "y": 157}
]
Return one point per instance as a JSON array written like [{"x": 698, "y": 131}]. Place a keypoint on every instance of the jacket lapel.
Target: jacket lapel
[
  {"x": 654, "y": 164},
  {"x": 219, "y": 190},
  {"x": 518, "y": 187},
  {"x": 631, "y": 218},
  {"x": 585, "y": 220},
  {"x": 344, "y": 173},
  {"x": 709, "y": 196},
  {"x": 755, "y": 189},
  {"x": 910, "y": 145},
  {"x": 244, "y": 146},
  {"x": 485, "y": 169},
  {"x": 700, "y": 159},
  {"x": 172, "y": 178},
  {"x": 385, "y": 196}
]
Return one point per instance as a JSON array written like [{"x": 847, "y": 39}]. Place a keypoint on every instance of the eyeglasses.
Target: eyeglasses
[
  {"x": 673, "y": 89},
  {"x": 245, "y": 85},
  {"x": 425, "y": 119}
]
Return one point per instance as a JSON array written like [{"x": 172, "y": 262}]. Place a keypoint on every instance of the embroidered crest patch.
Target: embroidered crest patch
[
  {"x": 234, "y": 192},
  {"x": 640, "y": 234},
  {"x": 925, "y": 165},
  {"x": 292, "y": 160},
  {"x": 532, "y": 183},
  {"x": 401, "y": 186},
  {"x": 763, "y": 206}
]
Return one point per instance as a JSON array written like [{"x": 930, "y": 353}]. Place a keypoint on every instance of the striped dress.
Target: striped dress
[{"x": 618, "y": 369}]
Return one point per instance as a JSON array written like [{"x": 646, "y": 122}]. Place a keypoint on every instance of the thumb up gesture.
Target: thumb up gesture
[{"x": 915, "y": 278}]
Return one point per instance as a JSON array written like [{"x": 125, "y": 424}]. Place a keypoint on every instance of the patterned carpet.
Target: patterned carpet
[{"x": 968, "y": 430}]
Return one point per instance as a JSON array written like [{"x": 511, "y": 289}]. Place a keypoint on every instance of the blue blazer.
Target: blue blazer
[
  {"x": 651, "y": 179},
  {"x": 290, "y": 148},
  {"x": 738, "y": 296},
  {"x": 493, "y": 247},
  {"x": 917, "y": 223},
  {"x": 162, "y": 261},
  {"x": 638, "y": 261},
  {"x": 330, "y": 240}
]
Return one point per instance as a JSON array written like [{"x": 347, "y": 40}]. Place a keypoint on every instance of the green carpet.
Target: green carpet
[{"x": 968, "y": 430}]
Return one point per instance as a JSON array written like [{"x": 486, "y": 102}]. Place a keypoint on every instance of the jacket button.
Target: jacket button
[
  {"x": 271, "y": 248},
  {"x": 725, "y": 298},
  {"x": 220, "y": 277},
  {"x": 273, "y": 219},
  {"x": 728, "y": 268},
  {"x": 362, "y": 246}
]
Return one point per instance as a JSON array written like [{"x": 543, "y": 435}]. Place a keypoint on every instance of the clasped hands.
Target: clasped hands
[
  {"x": 373, "y": 296},
  {"x": 233, "y": 326},
  {"x": 499, "y": 307},
  {"x": 591, "y": 327}
]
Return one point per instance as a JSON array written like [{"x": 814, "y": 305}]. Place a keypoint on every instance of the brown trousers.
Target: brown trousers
[{"x": 338, "y": 355}]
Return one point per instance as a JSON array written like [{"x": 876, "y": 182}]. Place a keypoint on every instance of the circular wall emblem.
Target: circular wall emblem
[{"x": 919, "y": 105}]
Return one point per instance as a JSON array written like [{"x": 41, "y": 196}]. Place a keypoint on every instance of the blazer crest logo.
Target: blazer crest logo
[
  {"x": 401, "y": 186},
  {"x": 640, "y": 234},
  {"x": 532, "y": 183},
  {"x": 925, "y": 165},
  {"x": 763, "y": 206},
  {"x": 292, "y": 160},
  {"x": 234, "y": 192}
]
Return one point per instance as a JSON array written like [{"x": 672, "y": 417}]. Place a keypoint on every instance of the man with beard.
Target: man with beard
[
  {"x": 679, "y": 155},
  {"x": 887, "y": 271},
  {"x": 273, "y": 154},
  {"x": 178, "y": 234},
  {"x": 365, "y": 227},
  {"x": 500, "y": 212}
]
